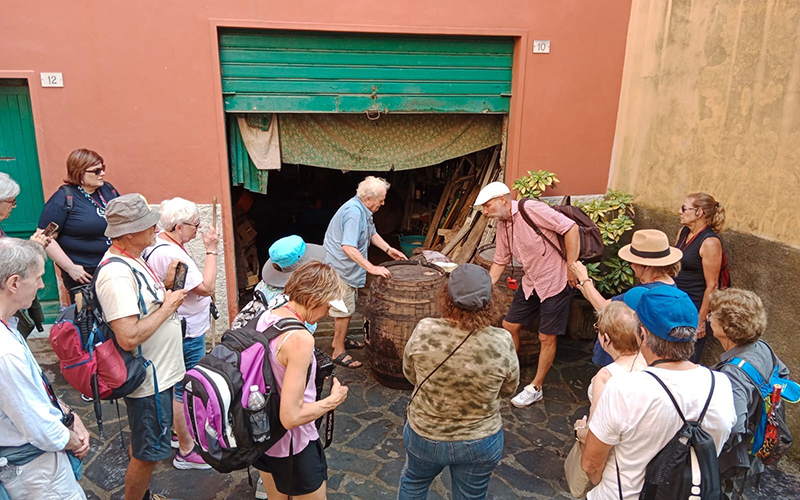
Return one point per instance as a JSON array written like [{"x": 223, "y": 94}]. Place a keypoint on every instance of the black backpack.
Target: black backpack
[
  {"x": 592, "y": 248},
  {"x": 669, "y": 475}
]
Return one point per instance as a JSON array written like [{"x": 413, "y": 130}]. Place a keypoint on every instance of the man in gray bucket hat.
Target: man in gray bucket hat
[{"x": 142, "y": 312}]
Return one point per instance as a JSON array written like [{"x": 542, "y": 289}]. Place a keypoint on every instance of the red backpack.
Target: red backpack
[{"x": 89, "y": 357}]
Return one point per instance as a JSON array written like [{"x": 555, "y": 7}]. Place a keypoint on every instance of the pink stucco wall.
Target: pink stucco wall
[{"x": 141, "y": 80}]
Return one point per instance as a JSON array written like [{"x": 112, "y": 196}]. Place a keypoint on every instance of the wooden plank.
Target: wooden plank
[
  {"x": 438, "y": 215},
  {"x": 349, "y": 56},
  {"x": 277, "y": 103},
  {"x": 456, "y": 239},
  {"x": 305, "y": 40},
  {"x": 360, "y": 86},
  {"x": 382, "y": 73},
  {"x": 471, "y": 243}
]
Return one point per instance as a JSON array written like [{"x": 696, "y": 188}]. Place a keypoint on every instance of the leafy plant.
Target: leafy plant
[
  {"x": 613, "y": 215},
  {"x": 535, "y": 183}
]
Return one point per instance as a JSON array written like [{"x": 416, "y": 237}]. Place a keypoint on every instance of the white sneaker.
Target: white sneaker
[
  {"x": 261, "y": 492},
  {"x": 529, "y": 395}
]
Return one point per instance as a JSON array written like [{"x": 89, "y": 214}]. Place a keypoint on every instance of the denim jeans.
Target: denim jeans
[
  {"x": 193, "y": 351},
  {"x": 471, "y": 464}
]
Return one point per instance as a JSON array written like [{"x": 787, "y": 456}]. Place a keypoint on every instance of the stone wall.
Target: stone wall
[
  {"x": 766, "y": 267},
  {"x": 711, "y": 102}
]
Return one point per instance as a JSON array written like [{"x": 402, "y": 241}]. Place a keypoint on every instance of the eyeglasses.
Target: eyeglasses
[
  {"x": 97, "y": 170},
  {"x": 13, "y": 202},
  {"x": 685, "y": 208},
  {"x": 196, "y": 224}
]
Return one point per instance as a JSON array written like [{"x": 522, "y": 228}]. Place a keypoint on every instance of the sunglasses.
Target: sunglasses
[
  {"x": 97, "y": 170},
  {"x": 685, "y": 208}
]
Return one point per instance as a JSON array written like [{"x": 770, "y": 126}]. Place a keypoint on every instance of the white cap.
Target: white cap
[{"x": 490, "y": 192}]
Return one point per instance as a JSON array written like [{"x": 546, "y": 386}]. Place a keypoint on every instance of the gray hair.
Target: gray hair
[
  {"x": 372, "y": 187},
  {"x": 673, "y": 351},
  {"x": 177, "y": 211},
  {"x": 9, "y": 189},
  {"x": 18, "y": 257}
]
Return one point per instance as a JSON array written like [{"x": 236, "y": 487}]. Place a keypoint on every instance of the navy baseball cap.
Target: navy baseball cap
[{"x": 664, "y": 308}]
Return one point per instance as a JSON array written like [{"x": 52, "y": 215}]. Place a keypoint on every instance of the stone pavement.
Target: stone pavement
[{"x": 366, "y": 457}]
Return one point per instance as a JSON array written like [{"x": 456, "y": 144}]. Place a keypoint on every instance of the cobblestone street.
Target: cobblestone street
[{"x": 367, "y": 454}]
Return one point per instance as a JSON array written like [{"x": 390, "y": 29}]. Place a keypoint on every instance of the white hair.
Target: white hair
[
  {"x": 372, "y": 187},
  {"x": 18, "y": 257},
  {"x": 9, "y": 189},
  {"x": 177, "y": 211}
]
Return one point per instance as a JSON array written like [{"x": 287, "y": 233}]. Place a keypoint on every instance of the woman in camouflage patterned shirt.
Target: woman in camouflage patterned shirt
[{"x": 454, "y": 416}]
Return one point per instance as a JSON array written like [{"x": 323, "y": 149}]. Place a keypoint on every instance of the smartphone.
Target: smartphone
[
  {"x": 50, "y": 230},
  {"x": 180, "y": 276}
]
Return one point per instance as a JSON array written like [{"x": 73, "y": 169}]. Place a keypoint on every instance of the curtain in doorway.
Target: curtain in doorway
[{"x": 390, "y": 142}]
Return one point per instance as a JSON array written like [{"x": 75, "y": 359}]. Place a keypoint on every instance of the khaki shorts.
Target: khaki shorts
[
  {"x": 47, "y": 477},
  {"x": 350, "y": 296}
]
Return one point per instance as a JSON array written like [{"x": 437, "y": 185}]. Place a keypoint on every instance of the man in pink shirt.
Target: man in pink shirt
[{"x": 546, "y": 287}]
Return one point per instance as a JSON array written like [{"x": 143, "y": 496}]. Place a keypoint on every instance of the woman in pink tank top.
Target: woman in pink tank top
[{"x": 296, "y": 464}]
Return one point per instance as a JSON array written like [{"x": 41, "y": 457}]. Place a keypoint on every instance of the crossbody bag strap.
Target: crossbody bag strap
[
  {"x": 437, "y": 368},
  {"x": 535, "y": 227}
]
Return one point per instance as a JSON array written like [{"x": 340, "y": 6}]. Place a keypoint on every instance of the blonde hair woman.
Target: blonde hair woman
[
  {"x": 296, "y": 464},
  {"x": 703, "y": 218}
]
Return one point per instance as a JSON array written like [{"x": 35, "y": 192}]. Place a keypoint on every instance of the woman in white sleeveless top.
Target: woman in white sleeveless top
[{"x": 616, "y": 332}]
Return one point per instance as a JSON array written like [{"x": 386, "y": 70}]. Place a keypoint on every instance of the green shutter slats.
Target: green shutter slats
[{"x": 307, "y": 72}]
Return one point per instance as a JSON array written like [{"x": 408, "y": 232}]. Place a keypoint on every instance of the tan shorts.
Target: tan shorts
[
  {"x": 350, "y": 296},
  {"x": 47, "y": 477}
]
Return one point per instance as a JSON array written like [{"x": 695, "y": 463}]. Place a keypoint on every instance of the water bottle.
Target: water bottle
[
  {"x": 259, "y": 423},
  {"x": 256, "y": 400}
]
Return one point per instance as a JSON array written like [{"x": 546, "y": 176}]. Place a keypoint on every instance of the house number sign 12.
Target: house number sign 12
[
  {"x": 52, "y": 80},
  {"x": 541, "y": 46}
]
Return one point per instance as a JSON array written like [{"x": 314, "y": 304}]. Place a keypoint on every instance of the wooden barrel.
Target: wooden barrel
[
  {"x": 529, "y": 335},
  {"x": 394, "y": 307}
]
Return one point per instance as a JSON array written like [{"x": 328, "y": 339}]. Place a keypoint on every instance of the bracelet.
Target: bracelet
[
  {"x": 388, "y": 248},
  {"x": 212, "y": 253},
  {"x": 580, "y": 283}
]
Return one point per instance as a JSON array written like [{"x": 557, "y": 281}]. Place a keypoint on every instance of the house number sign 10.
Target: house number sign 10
[
  {"x": 52, "y": 80},
  {"x": 541, "y": 46}
]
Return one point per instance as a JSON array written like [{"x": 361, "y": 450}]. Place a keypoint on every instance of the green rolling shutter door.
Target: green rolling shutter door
[{"x": 313, "y": 72}]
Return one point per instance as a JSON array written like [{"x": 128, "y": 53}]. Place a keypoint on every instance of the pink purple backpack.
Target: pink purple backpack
[{"x": 216, "y": 391}]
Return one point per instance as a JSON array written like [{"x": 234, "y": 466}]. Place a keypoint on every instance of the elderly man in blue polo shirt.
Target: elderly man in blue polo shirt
[{"x": 347, "y": 239}]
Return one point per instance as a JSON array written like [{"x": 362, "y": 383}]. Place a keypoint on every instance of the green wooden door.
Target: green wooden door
[
  {"x": 314, "y": 72},
  {"x": 19, "y": 159}
]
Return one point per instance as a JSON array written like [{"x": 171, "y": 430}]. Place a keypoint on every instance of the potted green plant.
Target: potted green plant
[
  {"x": 534, "y": 184},
  {"x": 613, "y": 215}
]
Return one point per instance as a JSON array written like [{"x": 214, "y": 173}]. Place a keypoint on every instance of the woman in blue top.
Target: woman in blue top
[
  {"x": 79, "y": 209},
  {"x": 654, "y": 263}
]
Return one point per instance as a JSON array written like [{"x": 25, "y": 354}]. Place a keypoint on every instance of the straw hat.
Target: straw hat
[{"x": 650, "y": 247}]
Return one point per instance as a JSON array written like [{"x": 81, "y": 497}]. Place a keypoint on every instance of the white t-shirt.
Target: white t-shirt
[
  {"x": 196, "y": 307},
  {"x": 118, "y": 293},
  {"x": 636, "y": 416}
]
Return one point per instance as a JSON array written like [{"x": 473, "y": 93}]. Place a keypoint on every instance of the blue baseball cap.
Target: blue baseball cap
[
  {"x": 286, "y": 255},
  {"x": 662, "y": 309}
]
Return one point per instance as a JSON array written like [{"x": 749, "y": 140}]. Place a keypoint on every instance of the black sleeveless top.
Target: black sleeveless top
[{"x": 691, "y": 278}]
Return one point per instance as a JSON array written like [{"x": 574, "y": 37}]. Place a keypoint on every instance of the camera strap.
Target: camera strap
[
  {"x": 416, "y": 391},
  {"x": 329, "y": 419}
]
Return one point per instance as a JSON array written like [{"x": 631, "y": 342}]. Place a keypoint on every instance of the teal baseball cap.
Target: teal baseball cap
[
  {"x": 286, "y": 255},
  {"x": 662, "y": 309}
]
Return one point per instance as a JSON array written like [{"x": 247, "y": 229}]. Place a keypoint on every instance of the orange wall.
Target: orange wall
[
  {"x": 140, "y": 85},
  {"x": 141, "y": 81}
]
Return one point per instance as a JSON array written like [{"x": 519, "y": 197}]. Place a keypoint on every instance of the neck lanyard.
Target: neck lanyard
[
  {"x": 173, "y": 240},
  {"x": 89, "y": 197},
  {"x": 689, "y": 242},
  {"x": 296, "y": 314},
  {"x": 152, "y": 273}
]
